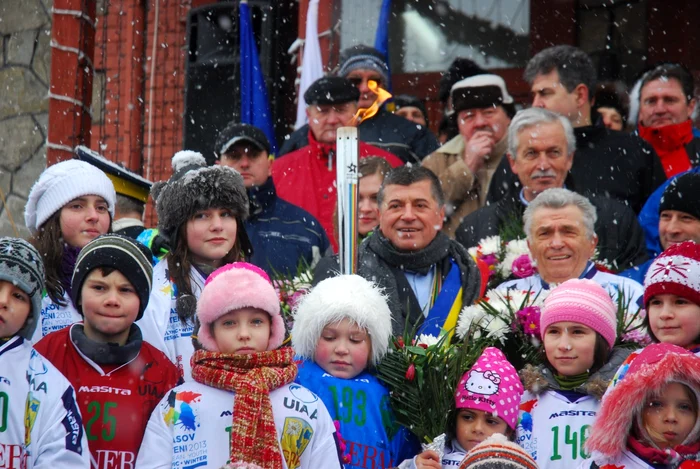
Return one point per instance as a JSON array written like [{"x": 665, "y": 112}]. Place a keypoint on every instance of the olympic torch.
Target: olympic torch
[{"x": 347, "y": 153}]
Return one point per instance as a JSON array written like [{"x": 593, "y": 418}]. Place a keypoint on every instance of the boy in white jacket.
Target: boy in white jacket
[
  {"x": 274, "y": 423},
  {"x": 40, "y": 424}
]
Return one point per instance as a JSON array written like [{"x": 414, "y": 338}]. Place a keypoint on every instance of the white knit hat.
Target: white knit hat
[
  {"x": 342, "y": 297},
  {"x": 61, "y": 183}
]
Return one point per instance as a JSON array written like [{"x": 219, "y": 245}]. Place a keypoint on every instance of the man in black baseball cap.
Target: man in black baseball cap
[{"x": 283, "y": 235}]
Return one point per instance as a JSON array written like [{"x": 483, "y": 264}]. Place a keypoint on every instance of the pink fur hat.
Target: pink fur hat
[
  {"x": 655, "y": 366},
  {"x": 235, "y": 286}
]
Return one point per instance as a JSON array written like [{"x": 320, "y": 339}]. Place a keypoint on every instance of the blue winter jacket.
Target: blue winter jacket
[{"x": 283, "y": 235}]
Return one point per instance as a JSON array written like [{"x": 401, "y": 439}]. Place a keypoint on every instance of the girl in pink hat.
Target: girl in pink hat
[
  {"x": 578, "y": 328},
  {"x": 650, "y": 419},
  {"x": 486, "y": 403},
  {"x": 243, "y": 409}
]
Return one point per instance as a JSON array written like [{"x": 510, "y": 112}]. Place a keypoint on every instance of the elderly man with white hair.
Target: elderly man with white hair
[
  {"x": 541, "y": 146},
  {"x": 559, "y": 225}
]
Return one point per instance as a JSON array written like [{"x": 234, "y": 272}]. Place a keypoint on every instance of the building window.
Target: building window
[{"x": 426, "y": 36}]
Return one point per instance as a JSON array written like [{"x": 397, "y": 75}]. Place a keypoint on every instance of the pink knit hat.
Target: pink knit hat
[
  {"x": 492, "y": 385},
  {"x": 582, "y": 301},
  {"x": 675, "y": 271},
  {"x": 235, "y": 286}
]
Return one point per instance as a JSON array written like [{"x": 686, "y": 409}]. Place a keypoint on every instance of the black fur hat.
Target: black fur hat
[{"x": 194, "y": 186}]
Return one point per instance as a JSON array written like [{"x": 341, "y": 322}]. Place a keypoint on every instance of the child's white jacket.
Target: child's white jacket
[
  {"x": 452, "y": 457},
  {"x": 160, "y": 324},
  {"x": 553, "y": 424},
  {"x": 627, "y": 460},
  {"x": 41, "y": 425},
  {"x": 54, "y": 317},
  {"x": 190, "y": 428}
]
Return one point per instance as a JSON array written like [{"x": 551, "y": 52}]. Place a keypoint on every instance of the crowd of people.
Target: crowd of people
[{"x": 127, "y": 347}]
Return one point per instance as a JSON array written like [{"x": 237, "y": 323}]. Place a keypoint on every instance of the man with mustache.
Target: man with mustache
[
  {"x": 483, "y": 110},
  {"x": 541, "y": 148},
  {"x": 608, "y": 163}
]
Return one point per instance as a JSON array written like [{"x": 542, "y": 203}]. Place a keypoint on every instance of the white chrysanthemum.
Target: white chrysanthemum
[
  {"x": 517, "y": 246},
  {"x": 490, "y": 245},
  {"x": 497, "y": 328},
  {"x": 472, "y": 251},
  {"x": 469, "y": 317},
  {"x": 427, "y": 339}
]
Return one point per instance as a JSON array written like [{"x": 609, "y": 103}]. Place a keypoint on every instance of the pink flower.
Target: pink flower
[
  {"x": 529, "y": 319},
  {"x": 294, "y": 298},
  {"x": 522, "y": 266},
  {"x": 490, "y": 259}
]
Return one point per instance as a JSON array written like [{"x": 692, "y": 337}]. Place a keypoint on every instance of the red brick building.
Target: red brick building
[{"x": 135, "y": 56}]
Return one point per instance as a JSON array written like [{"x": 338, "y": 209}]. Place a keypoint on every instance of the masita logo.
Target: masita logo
[{"x": 106, "y": 389}]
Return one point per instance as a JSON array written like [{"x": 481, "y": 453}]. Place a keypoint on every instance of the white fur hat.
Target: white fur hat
[
  {"x": 342, "y": 297},
  {"x": 61, "y": 183}
]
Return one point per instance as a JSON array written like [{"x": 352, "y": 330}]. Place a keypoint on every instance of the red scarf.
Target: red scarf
[
  {"x": 669, "y": 142},
  {"x": 253, "y": 437},
  {"x": 653, "y": 455}
]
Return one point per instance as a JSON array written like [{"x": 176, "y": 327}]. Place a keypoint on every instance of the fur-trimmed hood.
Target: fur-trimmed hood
[
  {"x": 193, "y": 187},
  {"x": 538, "y": 379},
  {"x": 657, "y": 365}
]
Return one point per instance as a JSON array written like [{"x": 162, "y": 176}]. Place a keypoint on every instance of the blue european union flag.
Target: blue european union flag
[{"x": 255, "y": 106}]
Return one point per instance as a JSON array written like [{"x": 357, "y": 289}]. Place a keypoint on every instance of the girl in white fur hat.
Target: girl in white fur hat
[
  {"x": 71, "y": 204},
  {"x": 341, "y": 331}
]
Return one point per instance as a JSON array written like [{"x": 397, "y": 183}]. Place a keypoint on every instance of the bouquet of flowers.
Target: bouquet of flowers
[
  {"x": 422, "y": 376},
  {"x": 506, "y": 259},
  {"x": 508, "y": 320}
]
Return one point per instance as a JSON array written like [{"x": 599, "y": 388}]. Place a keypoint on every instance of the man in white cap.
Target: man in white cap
[{"x": 465, "y": 164}]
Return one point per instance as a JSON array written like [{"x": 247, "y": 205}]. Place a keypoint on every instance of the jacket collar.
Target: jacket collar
[
  {"x": 321, "y": 149},
  {"x": 261, "y": 197},
  {"x": 540, "y": 378},
  {"x": 669, "y": 137}
]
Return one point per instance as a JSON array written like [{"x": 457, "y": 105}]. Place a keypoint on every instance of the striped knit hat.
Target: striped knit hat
[
  {"x": 123, "y": 254},
  {"x": 20, "y": 264},
  {"x": 675, "y": 271},
  {"x": 582, "y": 301},
  {"x": 496, "y": 452}
]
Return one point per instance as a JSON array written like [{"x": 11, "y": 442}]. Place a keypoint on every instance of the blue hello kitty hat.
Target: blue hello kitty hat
[{"x": 491, "y": 385}]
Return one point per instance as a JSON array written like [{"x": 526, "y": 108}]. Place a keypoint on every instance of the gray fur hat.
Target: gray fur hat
[
  {"x": 21, "y": 264},
  {"x": 194, "y": 186}
]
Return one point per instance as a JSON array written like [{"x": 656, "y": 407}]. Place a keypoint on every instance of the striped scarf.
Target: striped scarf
[{"x": 253, "y": 439}]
